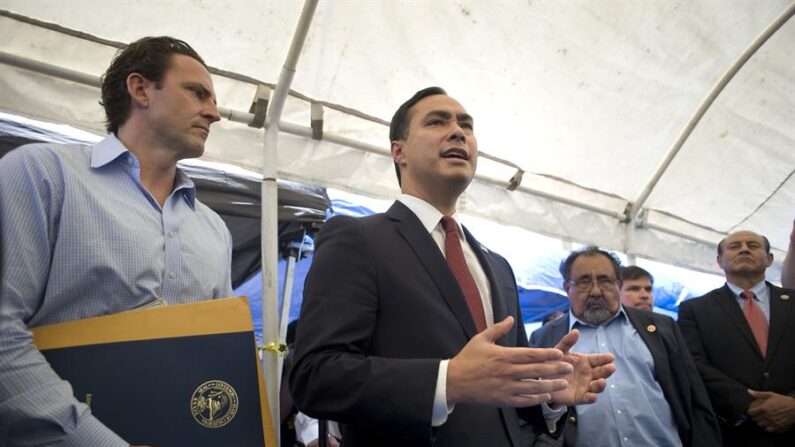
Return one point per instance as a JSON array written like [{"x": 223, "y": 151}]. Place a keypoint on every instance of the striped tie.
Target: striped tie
[
  {"x": 756, "y": 319},
  {"x": 455, "y": 259}
]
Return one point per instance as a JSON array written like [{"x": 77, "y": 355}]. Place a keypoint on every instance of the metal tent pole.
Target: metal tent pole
[{"x": 272, "y": 354}]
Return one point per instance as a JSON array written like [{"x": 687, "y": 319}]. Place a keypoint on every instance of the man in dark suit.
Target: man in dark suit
[
  {"x": 411, "y": 332},
  {"x": 656, "y": 397},
  {"x": 742, "y": 337}
]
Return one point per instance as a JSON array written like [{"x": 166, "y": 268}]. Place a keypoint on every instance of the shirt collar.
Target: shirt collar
[
  {"x": 620, "y": 316},
  {"x": 111, "y": 149},
  {"x": 108, "y": 150},
  {"x": 183, "y": 184},
  {"x": 759, "y": 289},
  {"x": 428, "y": 215}
]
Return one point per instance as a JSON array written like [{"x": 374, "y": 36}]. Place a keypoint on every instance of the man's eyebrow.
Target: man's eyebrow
[{"x": 444, "y": 114}]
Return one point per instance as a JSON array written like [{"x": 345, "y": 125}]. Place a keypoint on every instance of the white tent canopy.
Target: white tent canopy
[
  {"x": 578, "y": 104},
  {"x": 586, "y": 98}
]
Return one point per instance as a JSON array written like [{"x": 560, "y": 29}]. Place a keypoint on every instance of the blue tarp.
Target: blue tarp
[{"x": 535, "y": 263}]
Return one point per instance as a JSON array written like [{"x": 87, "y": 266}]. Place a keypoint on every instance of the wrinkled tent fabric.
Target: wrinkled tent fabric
[{"x": 585, "y": 98}]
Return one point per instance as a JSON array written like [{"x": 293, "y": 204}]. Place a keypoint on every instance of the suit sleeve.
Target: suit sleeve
[
  {"x": 704, "y": 427},
  {"x": 533, "y": 421},
  {"x": 730, "y": 398},
  {"x": 334, "y": 377}
]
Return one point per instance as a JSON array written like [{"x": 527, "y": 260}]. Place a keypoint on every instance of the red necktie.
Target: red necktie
[
  {"x": 756, "y": 319},
  {"x": 455, "y": 259}
]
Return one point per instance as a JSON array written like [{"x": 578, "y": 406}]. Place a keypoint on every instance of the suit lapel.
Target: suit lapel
[
  {"x": 647, "y": 331},
  {"x": 423, "y": 245},
  {"x": 728, "y": 303},
  {"x": 779, "y": 315},
  {"x": 498, "y": 306}
]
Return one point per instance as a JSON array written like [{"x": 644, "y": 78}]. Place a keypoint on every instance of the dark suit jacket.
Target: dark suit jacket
[
  {"x": 730, "y": 362},
  {"x": 381, "y": 309},
  {"x": 674, "y": 370}
]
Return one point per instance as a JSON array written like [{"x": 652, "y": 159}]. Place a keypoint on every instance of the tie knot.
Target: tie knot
[
  {"x": 747, "y": 295},
  {"x": 449, "y": 225}
]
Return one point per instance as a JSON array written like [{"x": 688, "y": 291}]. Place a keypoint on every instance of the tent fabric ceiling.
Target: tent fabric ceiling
[{"x": 585, "y": 97}]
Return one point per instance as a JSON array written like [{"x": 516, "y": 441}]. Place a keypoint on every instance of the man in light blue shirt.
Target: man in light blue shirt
[
  {"x": 99, "y": 229},
  {"x": 656, "y": 397}
]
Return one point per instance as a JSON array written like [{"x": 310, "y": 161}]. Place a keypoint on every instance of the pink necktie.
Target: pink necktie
[
  {"x": 756, "y": 319},
  {"x": 455, "y": 259}
]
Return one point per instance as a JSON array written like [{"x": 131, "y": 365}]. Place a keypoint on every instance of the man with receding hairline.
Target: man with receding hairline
[
  {"x": 742, "y": 337},
  {"x": 410, "y": 330},
  {"x": 656, "y": 397}
]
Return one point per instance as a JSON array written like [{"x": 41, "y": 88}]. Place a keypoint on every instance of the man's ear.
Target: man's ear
[
  {"x": 769, "y": 259},
  {"x": 137, "y": 87},
  {"x": 398, "y": 155}
]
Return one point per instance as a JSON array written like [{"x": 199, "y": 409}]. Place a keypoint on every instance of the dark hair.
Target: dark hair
[
  {"x": 766, "y": 242},
  {"x": 631, "y": 272},
  {"x": 151, "y": 58},
  {"x": 399, "y": 126},
  {"x": 565, "y": 265}
]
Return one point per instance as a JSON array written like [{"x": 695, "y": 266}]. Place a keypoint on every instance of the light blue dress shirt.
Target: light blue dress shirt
[
  {"x": 632, "y": 411},
  {"x": 82, "y": 237}
]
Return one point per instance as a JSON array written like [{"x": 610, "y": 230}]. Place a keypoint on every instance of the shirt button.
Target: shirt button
[
  {"x": 612, "y": 386},
  {"x": 171, "y": 234},
  {"x": 618, "y": 411},
  {"x": 626, "y": 439},
  {"x": 172, "y": 275}
]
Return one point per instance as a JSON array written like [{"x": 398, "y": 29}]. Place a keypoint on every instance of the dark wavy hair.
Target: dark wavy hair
[
  {"x": 151, "y": 58},
  {"x": 399, "y": 126},
  {"x": 631, "y": 272}
]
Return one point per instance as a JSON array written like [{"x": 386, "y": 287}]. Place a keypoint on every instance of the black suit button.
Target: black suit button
[
  {"x": 766, "y": 375},
  {"x": 573, "y": 419}
]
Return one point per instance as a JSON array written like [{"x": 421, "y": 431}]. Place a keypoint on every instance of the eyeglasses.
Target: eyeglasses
[{"x": 586, "y": 284}]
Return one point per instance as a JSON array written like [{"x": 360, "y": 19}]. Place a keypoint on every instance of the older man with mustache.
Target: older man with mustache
[{"x": 656, "y": 397}]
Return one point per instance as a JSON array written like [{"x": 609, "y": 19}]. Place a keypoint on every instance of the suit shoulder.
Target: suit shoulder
[
  {"x": 647, "y": 314},
  {"x": 699, "y": 300},
  {"x": 549, "y": 334},
  {"x": 781, "y": 290},
  {"x": 352, "y": 232}
]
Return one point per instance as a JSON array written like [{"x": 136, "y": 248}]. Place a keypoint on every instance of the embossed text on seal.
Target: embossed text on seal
[{"x": 214, "y": 404}]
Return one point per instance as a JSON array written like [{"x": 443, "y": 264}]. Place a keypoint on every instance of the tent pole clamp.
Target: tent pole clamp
[
  {"x": 317, "y": 121},
  {"x": 259, "y": 106}
]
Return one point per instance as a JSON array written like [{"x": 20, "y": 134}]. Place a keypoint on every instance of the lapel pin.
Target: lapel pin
[
  {"x": 483, "y": 247},
  {"x": 651, "y": 328},
  {"x": 785, "y": 297}
]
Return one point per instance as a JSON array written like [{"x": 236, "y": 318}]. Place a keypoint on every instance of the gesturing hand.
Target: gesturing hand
[
  {"x": 588, "y": 375},
  {"x": 486, "y": 373}
]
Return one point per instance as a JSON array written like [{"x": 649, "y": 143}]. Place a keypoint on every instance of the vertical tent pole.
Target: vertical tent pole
[{"x": 272, "y": 354}]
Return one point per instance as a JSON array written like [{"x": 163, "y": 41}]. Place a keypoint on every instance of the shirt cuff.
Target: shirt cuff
[
  {"x": 440, "y": 408},
  {"x": 551, "y": 417},
  {"x": 306, "y": 428}
]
